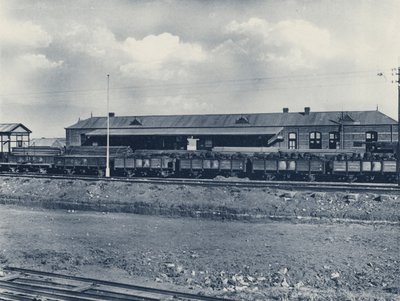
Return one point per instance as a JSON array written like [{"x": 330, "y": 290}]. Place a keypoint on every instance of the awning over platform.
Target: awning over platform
[{"x": 236, "y": 131}]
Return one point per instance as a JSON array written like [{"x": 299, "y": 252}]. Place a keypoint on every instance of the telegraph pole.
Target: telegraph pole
[{"x": 108, "y": 128}]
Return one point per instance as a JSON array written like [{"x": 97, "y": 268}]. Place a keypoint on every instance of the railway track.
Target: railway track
[
  {"x": 25, "y": 284},
  {"x": 287, "y": 185}
]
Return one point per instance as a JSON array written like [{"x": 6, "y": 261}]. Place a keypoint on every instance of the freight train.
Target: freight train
[{"x": 290, "y": 165}]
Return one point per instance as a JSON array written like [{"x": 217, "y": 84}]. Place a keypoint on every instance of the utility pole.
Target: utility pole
[{"x": 108, "y": 128}]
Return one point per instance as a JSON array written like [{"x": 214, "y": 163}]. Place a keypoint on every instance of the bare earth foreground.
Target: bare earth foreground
[{"x": 264, "y": 260}]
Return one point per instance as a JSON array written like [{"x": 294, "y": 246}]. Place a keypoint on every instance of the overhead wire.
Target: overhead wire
[
  {"x": 204, "y": 84},
  {"x": 237, "y": 90}
]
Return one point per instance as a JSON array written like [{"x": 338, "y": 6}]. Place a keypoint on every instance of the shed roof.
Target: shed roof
[
  {"x": 187, "y": 131},
  {"x": 237, "y": 120},
  {"x": 7, "y": 128},
  {"x": 52, "y": 142}
]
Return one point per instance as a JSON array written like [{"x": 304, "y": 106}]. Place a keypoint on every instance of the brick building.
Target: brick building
[{"x": 286, "y": 130}]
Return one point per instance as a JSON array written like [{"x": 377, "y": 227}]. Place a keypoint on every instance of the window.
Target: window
[
  {"x": 371, "y": 136},
  {"x": 292, "y": 141},
  {"x": 19, "y": 140},
  {"x": 136, "y": 122},
  {"x": 334, "y": 140},
  {"x": 242, "y": 120},
  {"x": 315, "y": 140},
  {"x": 83, "y": 139}
]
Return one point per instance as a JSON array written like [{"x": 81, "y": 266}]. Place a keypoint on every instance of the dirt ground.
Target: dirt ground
[
  {"x": 241, "y": 260},
  {"x": 247, "y": 244},
  {"x": 223, "y": 203}
]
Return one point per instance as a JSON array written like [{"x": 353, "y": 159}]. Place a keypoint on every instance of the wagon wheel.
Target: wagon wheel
[
  {"x": 69, "y": 171},
  {"x": 270, "y": 177},
  {"x": 100, "y": 173},
  {"x": 42, "y": 170},
  {"x": 130, "y": 173},
  {"x": 311, "y": 178}
]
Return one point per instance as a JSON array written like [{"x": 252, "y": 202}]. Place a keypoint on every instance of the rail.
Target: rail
[{"x": 26, "y": 284}]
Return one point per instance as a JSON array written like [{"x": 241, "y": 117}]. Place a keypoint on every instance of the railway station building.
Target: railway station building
[
  {"x": 257, "y": 132},
  {"x": 13, "y": 135}
]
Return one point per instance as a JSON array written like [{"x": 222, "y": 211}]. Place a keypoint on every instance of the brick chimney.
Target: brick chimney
[
  {"x": 285, "y": 110},
  {"x": 307, "y": 111},
  {"x": 111, "y": 114}
]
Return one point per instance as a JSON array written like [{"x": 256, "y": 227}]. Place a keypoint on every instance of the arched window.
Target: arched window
[
  {"x": 371, "y": 136},
  {"x": 315, "y": 140},
  {"x": 292, "y": 140},
  {"x": 334, "y": 140}
]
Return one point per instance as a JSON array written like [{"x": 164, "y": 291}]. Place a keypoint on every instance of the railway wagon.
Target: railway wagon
[
  {"x": 31, "y": 159},
  {"x": 287, "y": 168},
  {"x": 137, "y": 165},
  {"x": 211, "y": 167},
  {"x": 364, "y": 169},
  {"x": 81, "y": 164},
  {"x": 88, "y": 159}
]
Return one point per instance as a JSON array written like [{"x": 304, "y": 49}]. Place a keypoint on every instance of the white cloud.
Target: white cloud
[
  {"x": 164, "y": 47},
  {"x": 158, "y": 57},
  {"x": 22, "y": 34},
  {"x": 161, "y": 57},
  {"x": 296, "y": 43}
]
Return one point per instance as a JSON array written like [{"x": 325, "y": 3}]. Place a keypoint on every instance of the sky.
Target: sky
[{"x": 193, "y": 57}]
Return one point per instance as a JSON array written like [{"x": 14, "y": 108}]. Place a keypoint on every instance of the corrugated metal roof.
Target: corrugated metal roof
[
  {"x": 9, "y": 127},
  {"x": 187, "y": 131},
  {"x": 229, "y": 120}
]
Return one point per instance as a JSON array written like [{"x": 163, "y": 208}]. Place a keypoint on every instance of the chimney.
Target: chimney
[
  {"x": 111, "y": 114},
  {"x": 307, "y": 111},
  {"x": 285, "y": 110}
]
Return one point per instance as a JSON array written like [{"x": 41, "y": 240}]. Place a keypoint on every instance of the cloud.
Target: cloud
[
  {"x": 162, "y": 56},
  {"x": 15, "y": 34},
  {"x": 23, "y": 46},
  {"x": 38, "y": 61},
  {"x": 96, "y": 42},
  {"x": 153, "y": 49},
  {"x": 295, "y": 43},
  {"x": 158, "y": 57}
]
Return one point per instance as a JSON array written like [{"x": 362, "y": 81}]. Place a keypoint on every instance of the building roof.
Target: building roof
[
  {"x": 237, "y": 120},
  {"x": 52, "y": 142},
  {"x": 187, "y": 131},
  {"x": 6, "y": 128}
]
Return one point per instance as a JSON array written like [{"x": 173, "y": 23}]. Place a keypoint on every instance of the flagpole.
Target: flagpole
[{"x": 108, "y": 128}]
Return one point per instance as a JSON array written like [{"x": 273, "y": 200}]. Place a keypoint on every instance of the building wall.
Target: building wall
[
  {"x": 18, "y": 139},
  {"x": 74, "y": 136},
  {"x": 351, "y": 135},
  {"x": 303, "y": 134}
]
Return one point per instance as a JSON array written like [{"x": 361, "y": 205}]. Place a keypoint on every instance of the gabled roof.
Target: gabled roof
[
  {"x": 6, "y": 128},
  {"x": 52, "y": 142},
  {"x": 230, "y": 120}
]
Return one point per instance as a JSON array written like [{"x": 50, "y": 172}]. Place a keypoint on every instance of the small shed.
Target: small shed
[{"x": 13, "y": 135}]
